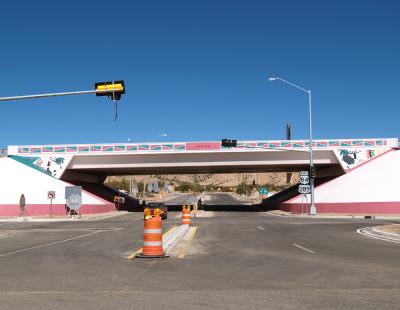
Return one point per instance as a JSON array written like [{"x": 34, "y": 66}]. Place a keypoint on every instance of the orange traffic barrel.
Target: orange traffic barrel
[
  {"x": 152, "y": 236},
  {"x": 186, "y": 215}
]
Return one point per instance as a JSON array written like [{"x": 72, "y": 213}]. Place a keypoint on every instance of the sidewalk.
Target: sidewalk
[
  {"x": 389, "y": 233},
  {"x": 336, "y": 215},
  {"x": 84, "y": 217}
]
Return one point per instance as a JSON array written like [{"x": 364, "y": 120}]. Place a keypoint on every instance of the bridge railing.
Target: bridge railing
[{"x": 201, "y": 146}]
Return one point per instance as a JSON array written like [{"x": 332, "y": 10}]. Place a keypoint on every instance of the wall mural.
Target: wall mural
[
  {"x": 349, "y": 159},
  {"x": 51, "y": 165}
]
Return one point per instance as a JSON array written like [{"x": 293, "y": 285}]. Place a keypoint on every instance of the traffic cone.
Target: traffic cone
[
  {"x": 186, "y": 215},
  {"x": 152, "y": 236}
]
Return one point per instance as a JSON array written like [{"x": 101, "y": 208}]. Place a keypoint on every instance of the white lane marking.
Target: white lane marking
[
  {"x": 361, "y": 232},
  {"x": 28, "y": 230},
  {"x": 259, "y": 227},
  {"x": 305, "y": 249},
  {"x": 49, "y": 244}
]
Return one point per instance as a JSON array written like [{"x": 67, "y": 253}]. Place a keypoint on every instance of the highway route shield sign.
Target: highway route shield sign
[
  {"x": 304, "y": 189},
  {"x": 304, "y": 178}
]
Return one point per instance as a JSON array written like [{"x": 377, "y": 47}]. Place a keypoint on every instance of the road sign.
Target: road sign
[
  {"x": 73, "y": 195},
  {"x": 263, "y": 191},
  {"x": 156, "y": 189},
  {"x": 304, "y": 178},
  {"x": 119, "y": 199},
  {"x": 51, "y": 194},
  {"x": 304, "y": 189}
]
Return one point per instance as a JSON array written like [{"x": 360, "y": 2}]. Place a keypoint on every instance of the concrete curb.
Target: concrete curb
[
  {"x": 85, "y": 217},
  {"x": 376, "y": 233},
  {"x": 170, "y": 240},
  {"x": 323, "y": 216}
]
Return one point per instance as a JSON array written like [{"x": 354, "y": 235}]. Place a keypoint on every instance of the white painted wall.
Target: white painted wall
[
  {"x": 375, "y": 181},
  {"x": 17, "y": 178}
]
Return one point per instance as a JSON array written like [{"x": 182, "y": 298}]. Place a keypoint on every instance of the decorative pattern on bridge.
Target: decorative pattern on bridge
[{"x": 201, "y": 146}]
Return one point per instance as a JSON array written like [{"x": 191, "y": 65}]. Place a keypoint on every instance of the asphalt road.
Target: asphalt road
[
  {"x": 237, "y": 260},
  {"x": 182, "y": 200},
  {"x": 212, "y": 202}
]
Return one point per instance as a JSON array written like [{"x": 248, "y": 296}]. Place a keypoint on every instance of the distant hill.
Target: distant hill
[{"x": 227, "y": 180}]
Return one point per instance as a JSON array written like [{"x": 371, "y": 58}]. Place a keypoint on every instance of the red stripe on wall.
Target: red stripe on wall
[
  {"x": 392, "y": 207},
  {"x": 57, "y": 209}
]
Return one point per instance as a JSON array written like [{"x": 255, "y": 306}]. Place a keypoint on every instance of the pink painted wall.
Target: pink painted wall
[
  {"x": 57, "y": 209},
  {"x": 195, "y": 146},
  {"x": 347, "y": 208}
]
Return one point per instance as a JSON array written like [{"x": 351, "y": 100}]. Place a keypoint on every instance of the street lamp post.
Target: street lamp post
[
  {"x": 313, "y": 209},
  {"x": 160, "y": 135}
]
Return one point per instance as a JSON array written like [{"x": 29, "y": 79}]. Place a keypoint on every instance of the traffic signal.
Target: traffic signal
[
  {"x": 228, "y": 143},
  {"x": 112, "y": 89},
  {"x": 313, "y": 172},
  {"x": 288, "y": 131}
]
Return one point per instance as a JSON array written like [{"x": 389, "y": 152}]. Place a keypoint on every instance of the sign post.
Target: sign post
[{"x": 51, "y": 195}]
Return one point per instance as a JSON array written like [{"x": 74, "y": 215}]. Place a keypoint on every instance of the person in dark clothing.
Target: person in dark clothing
[{"x": 22, "y": 211}]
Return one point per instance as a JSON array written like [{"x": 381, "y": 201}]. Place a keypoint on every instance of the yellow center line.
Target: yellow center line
[
  {"x": 170, "y": 231},
  {"x": 133, "y": 254},
  {"x": 183, "y": 252}
]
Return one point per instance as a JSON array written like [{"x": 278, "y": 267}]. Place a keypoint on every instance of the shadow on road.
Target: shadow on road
[{"x": 234, "y": 208}]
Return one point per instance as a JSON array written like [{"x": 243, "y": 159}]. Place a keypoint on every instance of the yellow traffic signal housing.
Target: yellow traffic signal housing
[{"x": 112, "y": 89}]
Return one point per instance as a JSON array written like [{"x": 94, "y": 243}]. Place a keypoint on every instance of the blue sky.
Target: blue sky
[{"x": 197, "y": 70}]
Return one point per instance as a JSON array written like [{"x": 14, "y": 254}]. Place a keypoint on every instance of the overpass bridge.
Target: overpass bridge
[{"x": 92, "y": 163}]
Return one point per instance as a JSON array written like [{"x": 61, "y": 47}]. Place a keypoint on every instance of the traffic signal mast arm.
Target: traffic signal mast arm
[{"x": 111, "y": 89}]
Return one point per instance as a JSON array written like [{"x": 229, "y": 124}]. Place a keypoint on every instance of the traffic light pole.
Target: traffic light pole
[
  {"x": 112, "y": 89},
  {"x": 313, "y": 209},
  {"x": 82, "y": 92}
]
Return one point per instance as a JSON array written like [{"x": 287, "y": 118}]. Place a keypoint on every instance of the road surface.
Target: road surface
[{"x": 237, "y": 260}]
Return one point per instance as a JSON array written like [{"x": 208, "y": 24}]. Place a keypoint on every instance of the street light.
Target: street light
[
  {"x": 313, "y": 209},
  {"x": 162, "y": 135}
]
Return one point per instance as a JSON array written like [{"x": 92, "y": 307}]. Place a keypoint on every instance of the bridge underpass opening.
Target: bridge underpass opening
[
  {"x": 211, "y": 192},
  {"x": 91, "y": 171}
]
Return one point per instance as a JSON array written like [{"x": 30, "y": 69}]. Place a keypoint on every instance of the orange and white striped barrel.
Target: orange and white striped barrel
[
  {"x": 152, "y": 237},
  {"x": 186, "y": 215}
]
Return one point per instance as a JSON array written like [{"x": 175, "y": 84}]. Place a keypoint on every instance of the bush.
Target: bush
[{"x": 244, "y": 189}]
